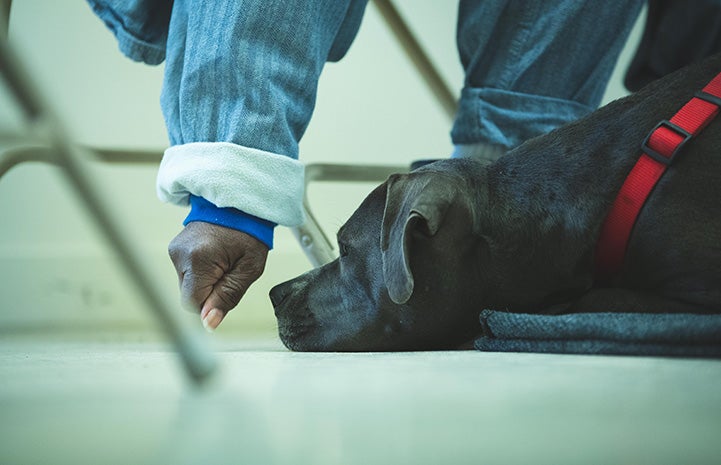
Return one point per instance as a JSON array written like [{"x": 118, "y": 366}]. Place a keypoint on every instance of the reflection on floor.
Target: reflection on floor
[{"x": 78, "y": 402}]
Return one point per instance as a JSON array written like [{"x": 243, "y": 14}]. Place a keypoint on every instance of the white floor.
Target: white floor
[{"x": 69, "y": 401}]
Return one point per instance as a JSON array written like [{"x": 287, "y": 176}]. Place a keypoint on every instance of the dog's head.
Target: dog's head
[{"x": 406, "y": 278}]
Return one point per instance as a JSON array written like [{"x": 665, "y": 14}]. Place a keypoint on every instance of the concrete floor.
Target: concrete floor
[{"x": 69, "y": 401}]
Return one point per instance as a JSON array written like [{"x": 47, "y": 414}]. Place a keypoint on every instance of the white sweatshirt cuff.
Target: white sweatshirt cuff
[{"x": 263, "y": 184}]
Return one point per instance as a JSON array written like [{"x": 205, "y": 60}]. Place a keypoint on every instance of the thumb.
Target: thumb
[
  {"x": 215, "y": 307},
  {"x": 211, "y": 317}
]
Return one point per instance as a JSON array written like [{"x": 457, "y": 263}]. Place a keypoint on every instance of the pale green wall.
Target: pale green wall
[{"x": 372, "y": 108}]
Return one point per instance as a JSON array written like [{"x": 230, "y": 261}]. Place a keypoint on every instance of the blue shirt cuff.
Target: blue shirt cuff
[{"x": 202, "y": 210}]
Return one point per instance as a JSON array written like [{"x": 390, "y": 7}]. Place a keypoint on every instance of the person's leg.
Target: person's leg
[
  {"x": 532, "y": 66},
  {"x": 247, "y": 54},
  {"x": 239, "y": 90},
  {"x": 246, "y": 72},
  {"x": 240, "y": 83}
]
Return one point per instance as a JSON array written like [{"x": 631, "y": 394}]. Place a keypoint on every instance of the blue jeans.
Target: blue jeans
[{"x": 244, "y": 74}]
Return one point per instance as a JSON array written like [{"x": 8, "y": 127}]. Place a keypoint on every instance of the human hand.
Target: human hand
[{"x": 215, "y": 267}]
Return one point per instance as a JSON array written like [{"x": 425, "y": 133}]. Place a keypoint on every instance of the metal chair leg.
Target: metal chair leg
[
  {"x": 314, "y": 242},
  {"x": 420, "y": 59},
  {"x": 198, "y": 360}
]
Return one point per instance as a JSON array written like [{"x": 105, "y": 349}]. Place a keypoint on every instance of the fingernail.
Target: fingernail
[{"x": 212, "y": 320}]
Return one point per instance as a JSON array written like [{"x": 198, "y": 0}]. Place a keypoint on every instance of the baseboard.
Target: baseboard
[{"x": 74, "y": 286}]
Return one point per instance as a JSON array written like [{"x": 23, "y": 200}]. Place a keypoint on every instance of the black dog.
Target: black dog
[{"x": 427, "y": 251}]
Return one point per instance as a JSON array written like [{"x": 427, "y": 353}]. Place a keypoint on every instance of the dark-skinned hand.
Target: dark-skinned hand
[{"x": 215, "y": 267}]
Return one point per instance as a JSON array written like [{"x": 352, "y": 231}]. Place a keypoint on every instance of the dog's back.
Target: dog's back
[{"x": 674, "y": 252}]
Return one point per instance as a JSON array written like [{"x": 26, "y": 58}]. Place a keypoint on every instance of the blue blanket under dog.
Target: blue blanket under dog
[{"x": 686, "y": 335}]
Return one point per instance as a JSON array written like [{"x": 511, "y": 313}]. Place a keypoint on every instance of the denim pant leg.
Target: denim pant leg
[
  {"x": 532, "y": 66},
  {"x": 239, "y": 89},
  {"x": 246, "y": 72},
  {"x": 236, "y": 71}
]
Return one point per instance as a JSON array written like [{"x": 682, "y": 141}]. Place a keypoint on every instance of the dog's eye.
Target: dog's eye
[{"x": 342, "y": 249}]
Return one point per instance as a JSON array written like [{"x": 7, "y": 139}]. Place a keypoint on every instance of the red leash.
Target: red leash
[{"x": 659, "y": 149}]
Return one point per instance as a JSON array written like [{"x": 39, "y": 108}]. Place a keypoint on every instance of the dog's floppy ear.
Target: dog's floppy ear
[{"x": 414, "y": 202}]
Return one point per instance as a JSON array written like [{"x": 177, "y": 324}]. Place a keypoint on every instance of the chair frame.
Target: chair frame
[{"x": 46, "y": 141}]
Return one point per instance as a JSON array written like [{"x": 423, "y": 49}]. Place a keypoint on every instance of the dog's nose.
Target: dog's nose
[{"x": 278, "y": 294}]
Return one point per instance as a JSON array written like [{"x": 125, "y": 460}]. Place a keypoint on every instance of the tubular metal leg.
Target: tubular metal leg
[
  {"x": 314, "y": 242},
  {"x": 72, "y": 160},
  {"x": 420, "y": 59},
  {"x": 15, "y": 150},
  {"x": 310, "y": 235},
  {"x": 4, "y": 17}
]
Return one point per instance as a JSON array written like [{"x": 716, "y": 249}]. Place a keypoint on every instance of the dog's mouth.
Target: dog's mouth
[{"x": 295, "y": 331}]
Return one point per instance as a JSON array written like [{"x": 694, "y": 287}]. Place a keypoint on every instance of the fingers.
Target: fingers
[
  {"x": 230, "y": 289},
  {"x": 232, "y": 286}
]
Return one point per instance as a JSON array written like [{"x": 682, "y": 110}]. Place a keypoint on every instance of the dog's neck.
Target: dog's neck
[{"x": 542, "y": 205}]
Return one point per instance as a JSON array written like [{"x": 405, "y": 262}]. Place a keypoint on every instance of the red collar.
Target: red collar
[{"x": 659, "y": 149}]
